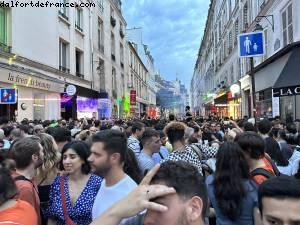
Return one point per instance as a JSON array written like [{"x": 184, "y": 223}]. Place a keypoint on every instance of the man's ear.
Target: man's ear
[{"x": 194, "y": 209}]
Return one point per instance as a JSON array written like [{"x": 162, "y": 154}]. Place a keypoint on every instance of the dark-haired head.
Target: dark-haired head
[
  {"x": 185, "y": 179},
  {"x": 279, "y": 188},
  {"x": 231, "y": 171},
  {"x": 264, "y": 126},
  {"x": 8, "y": 189},
  {"x": 252, "y": 144},
  {"x": 175, "y": 132},
  {"x": 82, "y": 150}
]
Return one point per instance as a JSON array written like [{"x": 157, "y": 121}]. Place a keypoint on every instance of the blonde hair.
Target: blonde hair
[{"x": 51, "y": 157}]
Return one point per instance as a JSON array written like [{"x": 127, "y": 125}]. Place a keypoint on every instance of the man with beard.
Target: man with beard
[
  {"x": 28, "y": 154},
  {"x": 108, "y": 160},
  {"x": 175, "y": 195}
]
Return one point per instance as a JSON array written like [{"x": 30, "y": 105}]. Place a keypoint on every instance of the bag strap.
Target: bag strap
[
  {"x": 63, "y": 199},
  {"x": 197, "y": 151},
  {"x": 21, "y": 177},
  {"x": 262, "y": 172},
  {"x": 161, "y": 156},
  {"x": 274, "y": 167}
]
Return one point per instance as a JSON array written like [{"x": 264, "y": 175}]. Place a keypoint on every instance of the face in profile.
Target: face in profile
[
  {"x": 280, "y": 211},
  {"x": 99, "y": 159}
]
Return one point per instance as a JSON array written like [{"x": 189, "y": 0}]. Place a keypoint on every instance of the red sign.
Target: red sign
[{"x": 132, "y": 97}]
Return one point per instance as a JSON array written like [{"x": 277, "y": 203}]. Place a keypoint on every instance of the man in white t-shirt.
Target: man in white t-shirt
[{"x": 107, "y": 160}]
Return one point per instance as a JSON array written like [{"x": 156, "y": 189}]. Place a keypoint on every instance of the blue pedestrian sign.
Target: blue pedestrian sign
[
  {"x": 8, "y": 96},
  {"x": 251, "y": 44}
]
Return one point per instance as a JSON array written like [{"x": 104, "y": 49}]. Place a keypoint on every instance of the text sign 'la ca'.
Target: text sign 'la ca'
[{"x": 251, "y": 44}]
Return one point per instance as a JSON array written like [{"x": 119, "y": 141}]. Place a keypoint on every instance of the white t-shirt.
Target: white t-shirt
[{"x": 107, "y": 196}]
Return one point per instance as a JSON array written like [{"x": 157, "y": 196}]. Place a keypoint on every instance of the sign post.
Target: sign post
[{"x": 251, "y": 45}]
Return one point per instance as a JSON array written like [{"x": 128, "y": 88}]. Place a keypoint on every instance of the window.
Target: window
[
  {"x": 229, "y": 42},
  {"x": 100, "y": 36},
  {"x": 287, "y": 25},
  {"x": 122, "y": 55},
  {"x": 79, "y": 63},
  {"x": 123, "y": 83},
  {"x": 113, "y": 80},
  {"x": 63, "y": 9},
  {"x": 101, "y": 69},
  {"x": 79, "y": 19},
  {"x": 3, "y": 26},
  {"x": 63, "y": 56},
  {"x": 113, "y": 47}
]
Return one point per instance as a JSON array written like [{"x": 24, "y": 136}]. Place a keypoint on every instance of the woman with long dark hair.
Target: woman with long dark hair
[
  {"x": 72, "y": 195},
  {"x": 232, "y": 194}
]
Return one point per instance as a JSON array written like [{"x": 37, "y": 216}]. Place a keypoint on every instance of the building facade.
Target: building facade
[
  {"x": 219, "y": 66},
  {"x": 45, "y": 50}
]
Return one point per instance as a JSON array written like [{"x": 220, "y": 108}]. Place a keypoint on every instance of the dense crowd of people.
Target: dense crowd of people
[{"x": 166, "y": 171}]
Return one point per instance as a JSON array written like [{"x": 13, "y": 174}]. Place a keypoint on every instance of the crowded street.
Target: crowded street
[{"x": 150, "y": 112}]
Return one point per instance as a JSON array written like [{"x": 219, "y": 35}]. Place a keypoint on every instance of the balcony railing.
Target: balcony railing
[
  {"x": 5, "y": 48},
  {"x": 78, "y": 27},
  {"x": 64, "y": 69},
  {"x": 79, "y": 75},
  {"x": 113, "y": 57},
  {"x": 63, "y": 14}
]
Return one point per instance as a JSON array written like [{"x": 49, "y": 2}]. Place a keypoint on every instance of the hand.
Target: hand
[{"x": 139, "y": 199}]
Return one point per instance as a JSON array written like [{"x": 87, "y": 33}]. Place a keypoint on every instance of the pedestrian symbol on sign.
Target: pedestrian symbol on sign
[{"x": 247, "y": 44}]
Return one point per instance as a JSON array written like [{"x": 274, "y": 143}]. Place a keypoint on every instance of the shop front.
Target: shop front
[
  {"x": 234, "y": 105},
  {"x": 221, "y": 104},
  {"x": 38, "y": 95},
  {"x": 83, "y": 104},
  {"x": 277, "y": 83}
]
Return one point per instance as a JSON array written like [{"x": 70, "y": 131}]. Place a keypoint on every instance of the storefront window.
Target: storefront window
[
  {"x": 38, "y": 106},
  {"x": 287, "y": 105},
  {"x": 264, "y": 103}
]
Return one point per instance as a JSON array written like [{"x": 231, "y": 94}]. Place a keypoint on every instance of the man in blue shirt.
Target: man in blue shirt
[{"x": 151, "y": 144}]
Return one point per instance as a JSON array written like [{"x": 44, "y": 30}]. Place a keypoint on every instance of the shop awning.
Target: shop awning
[{"x": 288, "y": 82}]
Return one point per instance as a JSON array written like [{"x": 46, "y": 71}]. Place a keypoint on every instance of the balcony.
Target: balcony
[
  {"x": 64, "y": 69},
  {"x": 79, "y": 75},
  {"x": 113, "y": 21},
  {"x": 63, "y": 14},
  {"x": 5, "y": 48},
  {"x": 78, "y": 27},
  {"x": 113, "y": 57}
]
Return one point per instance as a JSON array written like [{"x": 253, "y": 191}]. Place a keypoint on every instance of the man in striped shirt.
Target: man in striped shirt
[{"x": 133, "y": 142}]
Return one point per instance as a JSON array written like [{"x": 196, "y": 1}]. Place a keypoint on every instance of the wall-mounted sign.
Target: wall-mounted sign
[
  {"x": 8, "y": 96},
  {"x": 133, "y": 97},
  {"x": 31, "y": 81},
  {"x": 286, "y": 91},
  {"x": 71, "y": 90}
]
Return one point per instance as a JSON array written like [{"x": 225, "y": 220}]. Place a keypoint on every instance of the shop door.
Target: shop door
[{"x": 8, "y": 111}]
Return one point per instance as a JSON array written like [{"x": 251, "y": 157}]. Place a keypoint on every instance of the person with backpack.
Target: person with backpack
[
  {"x": 230, "y": 189},
  {"x": 27, "y": 154},
  {"x": 253, "y": 146}
]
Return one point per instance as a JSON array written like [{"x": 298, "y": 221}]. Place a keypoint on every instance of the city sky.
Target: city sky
[{"x": 172, "y": 29}]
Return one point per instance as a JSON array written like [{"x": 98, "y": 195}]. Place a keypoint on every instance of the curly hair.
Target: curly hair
[
  {"x": 51, "y": 156},
  {"x": 175, "y": 131}
]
